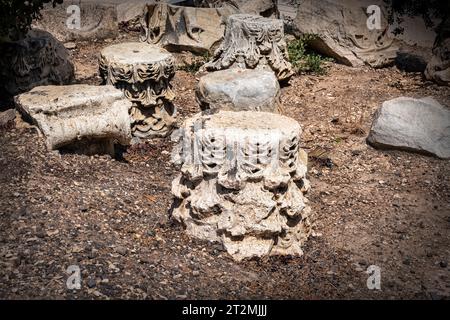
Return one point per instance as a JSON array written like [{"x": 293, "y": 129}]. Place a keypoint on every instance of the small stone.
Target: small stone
[
  {"x": 121, "y": 250},
  {"x": 70, "y": 45},
  {"x": 195, "y": 273},
  {"x": 91, "y": 283}
]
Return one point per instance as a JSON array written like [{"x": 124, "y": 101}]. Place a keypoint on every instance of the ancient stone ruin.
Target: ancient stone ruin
[
  {"x": 85, "y": 117},
  {"x": 253, "y": 42},
  {"x": 242, "y": 183},
  {"x": 38, "y": 59},
  {"x": 143, "y": 72},
  {"x": 178, "y": 28}
]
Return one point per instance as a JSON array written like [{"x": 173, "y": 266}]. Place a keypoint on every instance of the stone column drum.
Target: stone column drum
[
  {"x": 242, "y": 182},
  {"x": 253, "y": 42},
  {"x": 143, "y": 72}
]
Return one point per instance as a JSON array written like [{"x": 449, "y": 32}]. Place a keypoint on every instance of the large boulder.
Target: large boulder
[
  {"x": 343, "y": 34},
  {"x": 419, "y": 125},
  {"x": 98, "y": 20},
  {"x": 37, "y": 60},
  {"x": 78, "y": 114},
  {"x": 239, "y": 90}
]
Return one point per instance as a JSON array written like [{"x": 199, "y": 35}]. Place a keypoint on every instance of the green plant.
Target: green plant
[
  {"x": 303, "y": 59},
  {"x": 16, "y": 17}
]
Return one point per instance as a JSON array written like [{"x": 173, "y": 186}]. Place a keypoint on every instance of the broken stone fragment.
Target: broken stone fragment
[{"x": 78, "y": 114}]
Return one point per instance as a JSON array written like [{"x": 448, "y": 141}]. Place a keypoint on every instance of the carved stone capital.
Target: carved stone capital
[
  {"x": 252, "y": 41},
  {"x": 242, "y": 182},
  {"x": 143, "y": 72}
]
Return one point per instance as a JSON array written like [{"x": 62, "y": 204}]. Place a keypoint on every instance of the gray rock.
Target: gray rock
[
  {"x": 239, "y": 90},
  {"x": 419, "y": 125},
  {"x": 78, "y": 114}
]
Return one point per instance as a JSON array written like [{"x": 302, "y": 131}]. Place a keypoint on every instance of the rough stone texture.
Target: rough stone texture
[
  {"x": 37, "y": 60},
  {"x": 343, "y": 32},
  {"x": 420, "y": 125},
  {"x": 239, "y": 90},
  {"x": 253, "y": 42},
  {"x": 179, "y": 28},
  {"x": 143, "y": 72},
  {"x": 98, "y": 21},
  {"x": 78, "y": 114},
  {"x": 438, "y": 69},
  {"x": 265, "y": 8},
  {"x": 242, "y": 183},
  {"x": 7, "y": 117}
]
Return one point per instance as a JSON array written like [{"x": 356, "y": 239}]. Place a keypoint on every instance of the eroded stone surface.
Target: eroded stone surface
[
  {"x": 253, "y": 42},
  {"x": 69, "y": 114},
  {"x": 343, "y": 32},
  {"x": 239, "y": 90},
  {"x": 37, "y": 60},
  {"x": 242, "y": 183},
  {"x": 143, "y": 72},
  {"x": 438, "y": 69},
  {"x": 420, "y": 125},
  {"x": 179, "y": 28},
  {"x": 98, "y": 20}
]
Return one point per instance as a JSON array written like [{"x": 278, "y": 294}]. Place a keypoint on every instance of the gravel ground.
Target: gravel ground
[{"x": 110, "y": 216}]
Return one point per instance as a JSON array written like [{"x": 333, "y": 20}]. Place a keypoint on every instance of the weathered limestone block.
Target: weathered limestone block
[
  {"x": 143, "y": 72},
  {"x": 242, "y": 182},
  {"x": 343, "y": 33},
  {"x": 419, "y": 125},
  {"x": 98, "y": 20},
  {"x": 178, "y": 28},
  {"x": 253, "y": 42},
  {"x": 37, "y": 60},
  {"x": 70, "y": 114},
  {"x": 239, "y": 90}
]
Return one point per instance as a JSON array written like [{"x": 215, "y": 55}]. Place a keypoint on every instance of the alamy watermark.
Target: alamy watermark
[
  {"x": 374, "y": 279},
  {"x": 74, "y": 20},
  {"x": 74, "y": 280}
]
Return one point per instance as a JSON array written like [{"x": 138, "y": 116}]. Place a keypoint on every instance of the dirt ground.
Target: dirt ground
[{"x": 110, "y": 217}]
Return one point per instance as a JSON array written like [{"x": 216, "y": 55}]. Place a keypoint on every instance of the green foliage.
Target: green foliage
[
  {"x": 303, "y": 59},
  {"x": 16, "y": 17}
]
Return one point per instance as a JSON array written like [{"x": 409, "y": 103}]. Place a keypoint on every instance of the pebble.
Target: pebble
[
  {"x": 70, "y": 45},
  {"x": 122, "y": 250},
  {"x": 91, "y": 283}
]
